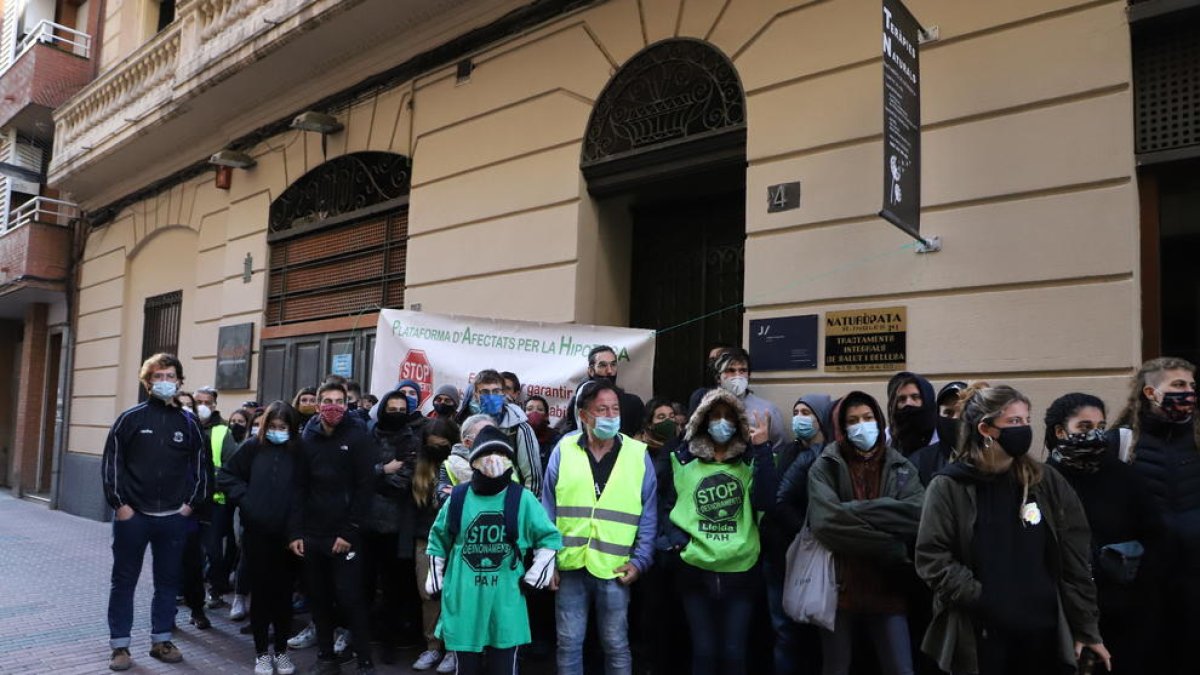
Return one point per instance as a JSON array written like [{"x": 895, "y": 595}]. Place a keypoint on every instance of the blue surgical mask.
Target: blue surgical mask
[
  {"x": 163, "y": 390},
  {"x": 473, "y": 406},
  {"x": 277, "y": 436},
  {"x": 491, "y": 404},
  {"x": 721, "y": 430},
  {"x": 803, "y": 427},
  {"x": 863, "y": 435},
  {"x": 607, "y": 427},
  {"x": 412, "y": 403}
]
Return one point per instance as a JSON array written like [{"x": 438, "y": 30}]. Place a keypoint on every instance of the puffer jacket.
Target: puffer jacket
[
  {"x": 1168, "y": 461},
  {"x": 945, "y": 561},
  {"x": 392, "y": 507}
]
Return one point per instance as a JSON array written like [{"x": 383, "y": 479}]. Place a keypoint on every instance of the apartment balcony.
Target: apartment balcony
[
  {"x": 51, "y": 65},
  {"x": 35, "y": 254},
  {"x": 221, "y": 70}
]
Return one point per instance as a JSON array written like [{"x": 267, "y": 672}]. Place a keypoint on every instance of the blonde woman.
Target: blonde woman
[{"x": 1004, "y": 544}]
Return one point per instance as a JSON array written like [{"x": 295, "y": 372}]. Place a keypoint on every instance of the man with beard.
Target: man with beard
[{"x": 602, "y": 367}]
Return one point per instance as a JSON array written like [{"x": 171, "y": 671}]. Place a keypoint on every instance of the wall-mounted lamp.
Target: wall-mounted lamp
[
  {"x": 233, "y": 159},
  {"x": 311, "y": 120}
]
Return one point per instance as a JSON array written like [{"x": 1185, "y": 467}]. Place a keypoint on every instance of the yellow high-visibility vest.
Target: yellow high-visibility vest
[
  {"x": 598, "y": 531},
  {"x": 216, "y": 440}
]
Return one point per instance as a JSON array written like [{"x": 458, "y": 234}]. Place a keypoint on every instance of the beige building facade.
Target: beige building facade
[{"x": 481, "y": 113}]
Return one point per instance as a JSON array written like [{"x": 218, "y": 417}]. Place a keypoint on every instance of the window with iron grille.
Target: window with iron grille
[
  {"x": 340, "y": 270},
  {"x": 160, "y": 325}
]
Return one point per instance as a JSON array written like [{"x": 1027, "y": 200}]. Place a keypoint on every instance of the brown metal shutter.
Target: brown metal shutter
[{"x": 339, "y": 271}]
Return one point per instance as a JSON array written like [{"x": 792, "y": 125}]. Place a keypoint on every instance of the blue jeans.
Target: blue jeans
[
  {"x": 797, "y": 645},
  {"x": 888, "y": 632},
  {"x": 718, "y": 608},
  {"x": 165, "y": 536},
  {"x": 578, "y": 590}
]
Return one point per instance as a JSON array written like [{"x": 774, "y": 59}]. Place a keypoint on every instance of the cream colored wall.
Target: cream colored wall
[{"x": 1028, "y": 171}]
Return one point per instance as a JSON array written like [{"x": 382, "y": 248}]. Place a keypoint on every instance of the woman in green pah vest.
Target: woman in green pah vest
[
  {"x": 723, "y": 478},
  {"x": 475, "y": 559}
]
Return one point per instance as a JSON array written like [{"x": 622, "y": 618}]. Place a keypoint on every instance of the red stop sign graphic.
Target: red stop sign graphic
[{"x": 416, "y": 367}]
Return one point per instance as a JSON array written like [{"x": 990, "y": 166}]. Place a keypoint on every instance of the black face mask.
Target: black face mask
[
  {"x": 486, "y": 486},
  {"x": 444, "y": 409},
  {"x": 392, "y": 421},
  {"x": 947, "y": 429},
  {"x": 1178, "y": 406},
  {"x": 1015, "y": 441},
  {"x": 238, "y": 431},
  {"x": 611, "y": 379},
  {"x": 352, "y": 405}
]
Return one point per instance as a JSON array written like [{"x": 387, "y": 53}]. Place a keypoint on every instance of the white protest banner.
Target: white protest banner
[{"x": 550, "y": 358}]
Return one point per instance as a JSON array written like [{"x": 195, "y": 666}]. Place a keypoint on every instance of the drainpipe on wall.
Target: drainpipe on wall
[{"x": 79, "y": 227}]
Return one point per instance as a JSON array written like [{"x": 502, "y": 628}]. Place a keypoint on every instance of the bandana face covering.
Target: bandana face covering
[
  {"x": 332, "y": 414},
  {"x": 1082, "y": 451}
]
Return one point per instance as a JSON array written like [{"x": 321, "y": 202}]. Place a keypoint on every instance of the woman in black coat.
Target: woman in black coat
[{"x": 1123, "y": 518}]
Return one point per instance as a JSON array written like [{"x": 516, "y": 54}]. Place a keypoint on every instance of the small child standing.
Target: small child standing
[{"x": 476, "y": 563}]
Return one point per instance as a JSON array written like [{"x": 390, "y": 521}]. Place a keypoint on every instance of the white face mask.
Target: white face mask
[
  {"x": 492, "y": 466},
  {"x": 736, "y": 385},
  {"x": 203, "y": 412}
]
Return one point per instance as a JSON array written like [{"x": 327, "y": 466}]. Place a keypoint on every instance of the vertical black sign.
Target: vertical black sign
[{"x": 901, "y": 119}]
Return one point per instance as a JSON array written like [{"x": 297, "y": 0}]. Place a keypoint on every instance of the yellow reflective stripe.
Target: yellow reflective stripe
[
  {"x": 597, "y": 545},
  {"x": 599, "y": 514},
  {"x": 453, "y": 477}
]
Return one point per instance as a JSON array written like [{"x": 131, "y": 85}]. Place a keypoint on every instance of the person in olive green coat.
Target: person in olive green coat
[
  {"x": 864, "y": 504},
  {"x": 1004, "y": 544}
]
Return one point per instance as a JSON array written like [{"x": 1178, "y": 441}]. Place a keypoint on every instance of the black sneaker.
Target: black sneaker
[{"x": 200, "y": 620}]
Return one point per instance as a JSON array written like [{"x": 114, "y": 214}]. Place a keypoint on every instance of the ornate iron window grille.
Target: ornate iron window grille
[{"x": 340, "y": 186}]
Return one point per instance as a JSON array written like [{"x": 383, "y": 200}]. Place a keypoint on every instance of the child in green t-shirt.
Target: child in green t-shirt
[{"x": 476, "y": 568}]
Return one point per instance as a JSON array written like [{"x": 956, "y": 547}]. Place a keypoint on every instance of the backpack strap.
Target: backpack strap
[
  {"x": 512, "y": 513},
  {"x": 458, "y": 497}
]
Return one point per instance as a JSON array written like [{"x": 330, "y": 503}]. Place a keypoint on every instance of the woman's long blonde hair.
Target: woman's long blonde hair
[{"x": 981, "y": 402}]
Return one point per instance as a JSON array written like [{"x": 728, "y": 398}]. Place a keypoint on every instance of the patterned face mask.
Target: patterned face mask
[
  {"x": 1082, "y": 451},
  {"x": 492, "y": 466}
]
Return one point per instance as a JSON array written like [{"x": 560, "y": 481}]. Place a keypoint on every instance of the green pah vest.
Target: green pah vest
[{"x": 713, "y": 508}]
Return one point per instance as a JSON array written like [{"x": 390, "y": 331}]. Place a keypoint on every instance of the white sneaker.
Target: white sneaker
[
  {"x": 284, "y": 665},
  {"x": 427, "y": 659},
  {"x": 263, "y": 665},
  {"x": 448, "y": 664},
  {"x": 237, "y": 611},
  {"x": 305, "y": 638},
  {"x": 342, "y": 642}
]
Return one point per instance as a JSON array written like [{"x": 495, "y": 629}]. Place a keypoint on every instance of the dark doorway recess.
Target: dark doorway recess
[
  {"x": 665, "y": 156},
  {"x": 688, "y": 270}
]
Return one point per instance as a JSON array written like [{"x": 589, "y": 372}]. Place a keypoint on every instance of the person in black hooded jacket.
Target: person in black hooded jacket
[
  {"x": 912, "y": 410},
  {"x": 934, "y": 457},
  {"x": 1165, "y": 439},
  {"x": 1123, "y": 518},
  {"x": 388, "y": 541},
  {"x": 334, "y": 482},
  {"x": 258, "y": 478}
]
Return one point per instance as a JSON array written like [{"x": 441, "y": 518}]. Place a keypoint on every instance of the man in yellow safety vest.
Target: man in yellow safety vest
[{"x": 601, "y": 492}]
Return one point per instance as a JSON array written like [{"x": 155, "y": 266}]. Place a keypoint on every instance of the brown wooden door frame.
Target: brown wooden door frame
[{"x": 1151, "y": 272}]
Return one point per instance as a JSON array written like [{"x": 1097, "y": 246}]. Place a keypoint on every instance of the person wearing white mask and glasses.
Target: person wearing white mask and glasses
[{"x": 732, "y": 369}]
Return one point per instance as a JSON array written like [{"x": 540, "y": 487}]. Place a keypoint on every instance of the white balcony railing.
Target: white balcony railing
[
  {"x": 42, "y": 210},
  {"x": 63, "y": 37}
]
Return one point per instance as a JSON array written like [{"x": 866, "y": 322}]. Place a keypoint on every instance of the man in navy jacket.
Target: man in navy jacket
[{"x": 155, "y": 471}]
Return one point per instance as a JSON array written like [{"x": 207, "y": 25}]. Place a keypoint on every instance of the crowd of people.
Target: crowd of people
[{"x": 477, "y": 528}]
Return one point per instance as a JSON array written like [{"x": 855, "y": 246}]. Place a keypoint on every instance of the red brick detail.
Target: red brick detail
[
  {"x": 31, "y": 405},
  {"x": 36, "y": 251},
  {"x": 44, "y": 76}
]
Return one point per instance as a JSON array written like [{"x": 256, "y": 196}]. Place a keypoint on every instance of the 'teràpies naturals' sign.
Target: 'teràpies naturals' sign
[{"x": 866, "y": 340}]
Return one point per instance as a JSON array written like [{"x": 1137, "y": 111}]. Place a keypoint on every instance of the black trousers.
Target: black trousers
[
  {"x": 272, "y": 570},
  {"x": 220, "y": 547},
  {"x": 381, "y": 571},
  {"x": 192, "y": 585},
  {"x": 488, "y": 662},
  {"x": 336, "y": 578},
  {"x": 1020, "y": 653}
]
